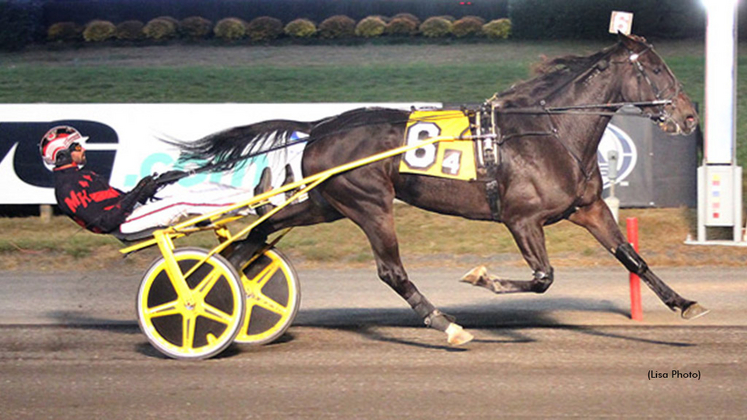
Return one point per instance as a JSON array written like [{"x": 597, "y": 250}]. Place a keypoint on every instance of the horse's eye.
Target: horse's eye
[{"x": 657, "y": 70}]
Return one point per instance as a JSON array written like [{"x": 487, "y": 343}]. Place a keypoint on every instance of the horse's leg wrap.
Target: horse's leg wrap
[
  {"x": 539, "y": 284},
  {"x": 431, "y": 316},
  {"x": 630, "y": 259},
  {"x": 635, "y": 264},
  {"x": 439, "y": 320}
]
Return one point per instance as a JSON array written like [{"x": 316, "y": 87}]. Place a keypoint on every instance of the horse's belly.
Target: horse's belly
[{"x": 459, "y": 198}]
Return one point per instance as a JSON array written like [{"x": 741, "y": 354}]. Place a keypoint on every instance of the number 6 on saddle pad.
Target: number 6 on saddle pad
[{"x": 454, "y": 160}]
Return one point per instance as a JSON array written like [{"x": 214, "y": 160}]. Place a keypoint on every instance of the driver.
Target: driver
[{"x": 90, "y": 201}]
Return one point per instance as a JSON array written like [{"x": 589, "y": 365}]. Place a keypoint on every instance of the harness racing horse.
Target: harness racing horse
[{"x": 550, "y": 128}]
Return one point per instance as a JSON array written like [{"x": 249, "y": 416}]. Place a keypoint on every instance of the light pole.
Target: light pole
[{"x": 719, "y": 178}]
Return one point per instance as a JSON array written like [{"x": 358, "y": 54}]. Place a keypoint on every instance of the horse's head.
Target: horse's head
[{"x": 652, "y": 83}]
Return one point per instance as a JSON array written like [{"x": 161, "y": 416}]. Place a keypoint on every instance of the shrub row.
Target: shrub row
[{"x": 264, "y": 28}]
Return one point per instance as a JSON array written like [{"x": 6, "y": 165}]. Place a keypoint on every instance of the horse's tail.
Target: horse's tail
[{"x": 229, "y": 149}]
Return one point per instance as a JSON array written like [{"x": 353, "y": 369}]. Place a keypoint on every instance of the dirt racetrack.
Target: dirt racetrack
[{"x": 71, "y": 350}]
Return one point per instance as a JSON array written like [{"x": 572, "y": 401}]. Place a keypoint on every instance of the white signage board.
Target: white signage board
[
  {"x": 127, "y": 137},
  {"x": 621, "y": 22}
]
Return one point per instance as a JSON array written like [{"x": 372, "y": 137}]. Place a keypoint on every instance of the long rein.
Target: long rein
[
  {"x": 566, "y": 110},
  {"x": 633, "y": 59},
  {"x": 589, "y": 109},
  {"x": 542, "y": 109}
]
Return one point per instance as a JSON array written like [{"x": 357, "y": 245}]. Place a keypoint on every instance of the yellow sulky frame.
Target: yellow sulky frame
[{"x": 183, "y": 341}]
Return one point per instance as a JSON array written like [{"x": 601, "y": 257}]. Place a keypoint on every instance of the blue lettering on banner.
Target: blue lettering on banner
[{"x": 151, "y": 164}]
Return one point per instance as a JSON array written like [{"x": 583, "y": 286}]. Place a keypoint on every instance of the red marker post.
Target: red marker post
[{"x": 636, "y": 311}]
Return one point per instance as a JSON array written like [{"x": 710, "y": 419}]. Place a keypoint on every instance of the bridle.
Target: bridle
[{"x": 661, "y": 102}]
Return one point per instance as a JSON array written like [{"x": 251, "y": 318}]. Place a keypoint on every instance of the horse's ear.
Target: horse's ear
[{"x": 628, "y": 41}]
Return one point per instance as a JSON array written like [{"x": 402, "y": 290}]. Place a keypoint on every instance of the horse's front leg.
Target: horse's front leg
[
  {"x": 598, "y": 220},
  {"x": 530, "y": 237}
]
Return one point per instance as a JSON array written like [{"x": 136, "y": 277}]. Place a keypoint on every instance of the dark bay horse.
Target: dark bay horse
[{"x": 550, "y": 129}]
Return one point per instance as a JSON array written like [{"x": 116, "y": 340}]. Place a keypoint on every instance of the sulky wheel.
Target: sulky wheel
[
  {"x": 273, "y": 296},
  {"x": 200, "y": 322}
]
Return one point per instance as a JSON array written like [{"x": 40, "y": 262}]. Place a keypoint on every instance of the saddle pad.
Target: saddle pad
[{"x": 452, "y": 159}]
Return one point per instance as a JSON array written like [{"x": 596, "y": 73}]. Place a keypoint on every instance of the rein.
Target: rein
[
  {"x": 602, "y": 110},
  {"x": 584, "y": 109},
  {"x": 633, "y": 58}
]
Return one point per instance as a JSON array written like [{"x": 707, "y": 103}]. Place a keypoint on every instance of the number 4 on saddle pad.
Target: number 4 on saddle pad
[{"x": 454, "y": 160}]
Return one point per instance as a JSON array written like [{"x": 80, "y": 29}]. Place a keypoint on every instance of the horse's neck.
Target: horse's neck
[{"x": 582, "y": 133}]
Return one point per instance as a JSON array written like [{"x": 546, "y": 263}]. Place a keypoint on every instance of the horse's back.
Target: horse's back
[
  {"x": 353, "y": 135},
  {"x": 358, "y": 118}
]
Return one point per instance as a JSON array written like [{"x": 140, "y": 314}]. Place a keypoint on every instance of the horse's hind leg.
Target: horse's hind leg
[
  {"x": 309, "y": 212},
  {"x": 372, "y": 211},
  {"x": 598, "y": 220},
  {"x": 530, "y": 238}
]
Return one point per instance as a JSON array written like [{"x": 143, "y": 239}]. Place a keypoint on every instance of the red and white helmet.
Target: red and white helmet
[{"x": 57, "y": 139}]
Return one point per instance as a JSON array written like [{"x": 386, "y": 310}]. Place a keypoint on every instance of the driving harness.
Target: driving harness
[{"x": 488, "y": 154}]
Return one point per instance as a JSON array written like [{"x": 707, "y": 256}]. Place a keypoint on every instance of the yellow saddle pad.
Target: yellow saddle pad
[{"x": 454, "y": 159}]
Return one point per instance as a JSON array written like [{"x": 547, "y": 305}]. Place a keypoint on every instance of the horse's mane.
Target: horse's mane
[{"x": 549, "y": 75}]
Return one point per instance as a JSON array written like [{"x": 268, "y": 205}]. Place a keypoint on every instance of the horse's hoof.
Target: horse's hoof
[
  {"x": 694, "y": 311},
  {"x": 457, "y": 335},
  {"x": 475, "y": 275},
  {"x": 478, "y": 276}
]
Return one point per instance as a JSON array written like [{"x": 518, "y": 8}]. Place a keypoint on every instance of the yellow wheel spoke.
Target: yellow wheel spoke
[
  {"x": 188, "y": 331},
  {"x": 259, "y": 299},
  {"x": 166, "y": 309},
  {"x": 211, "y": 312},
  {"x": 206, "y": 285},
  {"x": 259, "y": 281}
]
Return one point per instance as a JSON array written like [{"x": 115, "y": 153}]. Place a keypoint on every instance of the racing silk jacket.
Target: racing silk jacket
[{"x": 90, "y": 201}]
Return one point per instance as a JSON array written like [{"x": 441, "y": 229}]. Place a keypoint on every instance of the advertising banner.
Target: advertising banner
[
  {"x": 126, "y": 141},
  {"x": 129, "y": 141},
  {"x": 654, "y": 169}
]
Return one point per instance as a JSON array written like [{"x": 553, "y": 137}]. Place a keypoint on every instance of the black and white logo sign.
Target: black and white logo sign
[{"x": 616, "y": 139}]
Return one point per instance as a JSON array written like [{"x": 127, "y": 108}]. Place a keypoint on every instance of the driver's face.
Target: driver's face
[{"x": 78, "y": 154}]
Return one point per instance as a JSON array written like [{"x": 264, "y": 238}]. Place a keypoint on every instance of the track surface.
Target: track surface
[{"x": 70, "y": 348}]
